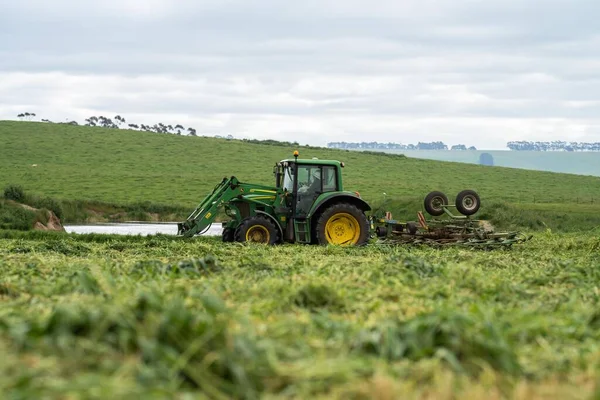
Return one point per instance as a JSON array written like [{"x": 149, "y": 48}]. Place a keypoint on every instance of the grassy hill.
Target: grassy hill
[{"x": 125, "y": 167}]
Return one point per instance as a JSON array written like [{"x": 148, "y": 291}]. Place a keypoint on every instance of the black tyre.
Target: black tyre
[
  {"x": 412, "y": 228},
  {"x": 434, "y": 203},
  {"x": 343, "y": 224},
  {"x": 228, "y": 235},
  {"x": 468, "y": 202},
  {"x": 257, "y": 229}
]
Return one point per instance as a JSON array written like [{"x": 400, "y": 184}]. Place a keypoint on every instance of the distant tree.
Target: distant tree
[
  {"x": 133, "y": 126},
  {"x": 91, "y": 121},
  {"x": 107, "y": 122},
  {"x": 119, "y": 120},
  {"x": 192, "y": 131},
  {"x": 432, "y": 146},
  {"x": 458, "y": 147},
  {"x": 161, "y": 128},
  {"x": 472, "y": 148},
  {"x": 27, "y": 116},
  {"x": 486, "y": 159}
]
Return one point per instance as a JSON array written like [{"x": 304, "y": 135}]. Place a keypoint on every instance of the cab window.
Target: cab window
[
  {"x": 288, "y": 178},
  {"x": 329, "y": 179}
]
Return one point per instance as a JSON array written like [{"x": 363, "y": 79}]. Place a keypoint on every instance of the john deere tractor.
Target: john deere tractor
[{"x": 307, "y": 204}]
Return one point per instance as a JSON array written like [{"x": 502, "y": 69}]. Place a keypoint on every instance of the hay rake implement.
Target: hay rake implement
[{"x": 455, "y": 230}]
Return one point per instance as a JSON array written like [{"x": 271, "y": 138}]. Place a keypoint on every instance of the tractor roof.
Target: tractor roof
[{"x": 314, "y": 161}]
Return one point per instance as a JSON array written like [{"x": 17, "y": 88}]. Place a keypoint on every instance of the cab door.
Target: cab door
[
  {"x": 313, "y": 180},
  {"x": 309, "y": 187}
]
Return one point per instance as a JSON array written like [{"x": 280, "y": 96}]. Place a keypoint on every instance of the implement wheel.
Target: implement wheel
[
  {"x": 343, "y": 224},
  {"x": 468, "y": 202},
  {"x": 258, "y": 230},
  {"x": 434, "y": 203}
]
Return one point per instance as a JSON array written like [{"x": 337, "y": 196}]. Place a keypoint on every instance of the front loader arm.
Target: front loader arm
[{"x": 204, "y": 215}]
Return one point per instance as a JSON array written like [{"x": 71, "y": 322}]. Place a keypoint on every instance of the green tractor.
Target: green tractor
[{"x": 308, "y": 204}]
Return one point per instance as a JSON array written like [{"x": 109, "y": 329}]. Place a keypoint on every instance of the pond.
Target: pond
[{"x": 135, "y": 228}]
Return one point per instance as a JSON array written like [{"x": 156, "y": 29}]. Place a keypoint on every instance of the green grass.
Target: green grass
[
  {"x": 121, "y": 167},
  {"x": 101, "y": 316},
  {"x": 97, "y": 316},
  {"x": 13, "y": 216}
]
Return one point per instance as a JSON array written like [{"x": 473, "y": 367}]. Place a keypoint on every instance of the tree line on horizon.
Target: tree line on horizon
[
  {"x": 523, "y": 145},
  {"x": 397, "y": 146},
  {"x": 556, "y": 145},
  {"x": 119, "y": 122}
]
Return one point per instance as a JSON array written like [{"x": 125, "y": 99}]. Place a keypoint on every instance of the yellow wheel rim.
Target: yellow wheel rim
[
  {"x": 342, "y": 228},
  {"x": 258, "y": 234}
]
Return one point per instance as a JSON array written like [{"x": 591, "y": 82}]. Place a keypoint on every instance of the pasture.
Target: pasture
[
  {"x": 96, "y": 171},
  {"x": 103, "y": 316},
  {"x": 106, "y": 316}
]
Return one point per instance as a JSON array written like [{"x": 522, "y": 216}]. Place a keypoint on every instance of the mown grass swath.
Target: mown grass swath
[{"x": 227, "y": 320}]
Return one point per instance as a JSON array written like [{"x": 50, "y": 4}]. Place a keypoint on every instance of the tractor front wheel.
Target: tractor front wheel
[
  {"x": 228, "y": 235},
  {"x": 343, "y": 224},
  {"x": 258, "y": 230}
]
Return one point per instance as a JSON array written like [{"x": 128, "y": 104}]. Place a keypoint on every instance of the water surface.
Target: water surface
[{"x": 135, "y": 228}]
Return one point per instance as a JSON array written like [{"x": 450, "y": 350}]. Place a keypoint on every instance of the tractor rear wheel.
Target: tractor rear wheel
[
  {"x": 468, "y": 202},
  {"x": 435, "y": 202},
  {"x": 257, "y": 229},
  {"x": 342, "y": 224}
]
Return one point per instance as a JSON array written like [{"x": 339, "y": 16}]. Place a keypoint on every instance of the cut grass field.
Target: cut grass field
[
  {"x": 122, "y": 167},
  {"x": 101, "y": 316},
  {"x": 120, "y": 317}
]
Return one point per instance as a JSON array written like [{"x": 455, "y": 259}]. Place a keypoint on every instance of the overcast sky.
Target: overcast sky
[{"x": 474, "y": 72}]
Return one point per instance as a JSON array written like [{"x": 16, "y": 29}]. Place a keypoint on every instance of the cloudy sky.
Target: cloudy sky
[{"x": 474, "y": 72}]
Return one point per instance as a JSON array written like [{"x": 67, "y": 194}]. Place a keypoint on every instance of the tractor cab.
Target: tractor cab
[
  {"x": 319, "y": 210},
  {"x": 303, "y": 181}
]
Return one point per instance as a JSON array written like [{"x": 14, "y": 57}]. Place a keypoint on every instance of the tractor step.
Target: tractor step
[{"x": 301, "y": 232}]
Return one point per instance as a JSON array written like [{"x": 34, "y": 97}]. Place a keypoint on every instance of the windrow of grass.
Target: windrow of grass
[
  {"x": 84, "y": 166},
  {"x": 100, "y": 316}
]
